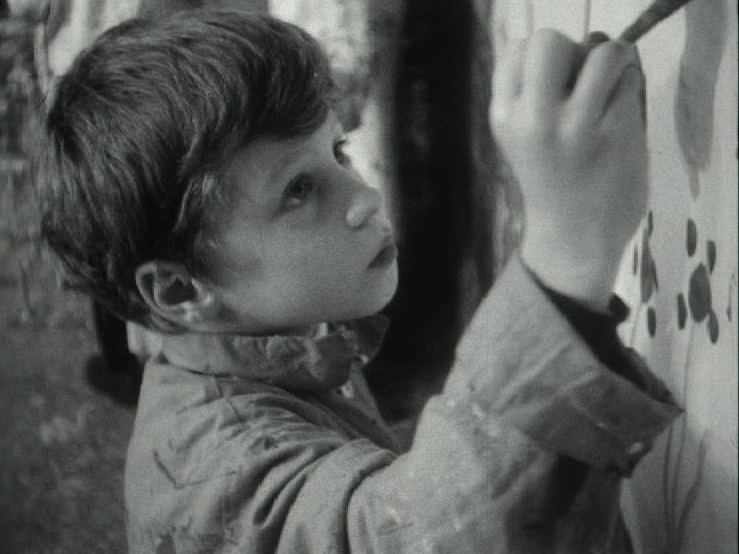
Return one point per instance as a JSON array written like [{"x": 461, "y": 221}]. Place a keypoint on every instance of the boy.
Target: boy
[{"x": 199, "y": 186}]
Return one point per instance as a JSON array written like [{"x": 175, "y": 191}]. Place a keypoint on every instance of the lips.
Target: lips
[{"x": 386, "y": 255}]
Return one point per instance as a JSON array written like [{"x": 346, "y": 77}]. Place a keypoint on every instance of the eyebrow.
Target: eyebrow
[
  {"x": 281, "y": 175},
  {"x": 284, "y": 176}
]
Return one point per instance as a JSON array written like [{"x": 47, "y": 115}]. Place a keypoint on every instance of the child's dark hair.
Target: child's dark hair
[{"x": 140, "y": 125}]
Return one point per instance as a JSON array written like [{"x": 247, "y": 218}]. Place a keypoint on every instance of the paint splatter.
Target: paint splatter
[
  {"x": 651, "y": 321},
  {"x": 713, "y": 327},
  {"x": 635, "y": 264},
  {"x": 648, "y": 270},
  {"x": 691, "y": 237},
  {"x": 682, "y": 311},
  {"x": 711, "y": 255},
  {"x": 699, "y": 293}
]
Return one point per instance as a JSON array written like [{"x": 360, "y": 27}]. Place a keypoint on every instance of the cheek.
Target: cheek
[
  {"x": 318, "y": 254},
  {"x": 325, "y": 266},
  {"x": 233, "y": 263}
]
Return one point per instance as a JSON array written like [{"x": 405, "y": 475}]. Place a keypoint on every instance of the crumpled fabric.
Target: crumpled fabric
[
  {"x": 275, "y": 445},
  {"x": 320, "y": 360}
]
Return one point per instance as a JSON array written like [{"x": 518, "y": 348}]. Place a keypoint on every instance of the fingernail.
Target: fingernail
[{"x": 597, "y": 37}]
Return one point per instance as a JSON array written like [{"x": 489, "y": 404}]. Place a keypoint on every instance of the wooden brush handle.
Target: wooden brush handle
[{"x": 656, "y": 12}]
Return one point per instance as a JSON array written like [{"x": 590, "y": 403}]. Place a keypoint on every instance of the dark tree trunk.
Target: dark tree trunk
[{"x": 444, "y": 226}]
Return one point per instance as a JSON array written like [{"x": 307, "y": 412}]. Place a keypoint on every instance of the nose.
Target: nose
[{"x": 365, "y": 203}]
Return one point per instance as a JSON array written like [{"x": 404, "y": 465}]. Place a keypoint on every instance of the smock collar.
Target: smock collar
[{"x": 318, "y": 361}]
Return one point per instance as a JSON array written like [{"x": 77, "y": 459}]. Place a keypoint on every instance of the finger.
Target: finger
[
  {"x": 625, "y": 105},
  {"x": 507, "y": 76},
  {"x": 601, "y": 73},
  {"x": 550, "y": 57},
  {"x": 591, "y": 41}
]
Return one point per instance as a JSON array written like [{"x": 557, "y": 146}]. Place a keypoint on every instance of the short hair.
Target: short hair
[{"x": 140, "y": 125}]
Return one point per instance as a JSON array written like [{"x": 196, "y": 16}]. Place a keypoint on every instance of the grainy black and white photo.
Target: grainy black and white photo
[{"x": 368, "y": 277}]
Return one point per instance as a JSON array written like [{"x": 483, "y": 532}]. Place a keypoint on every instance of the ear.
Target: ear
[{"x": 172, "y": 293}]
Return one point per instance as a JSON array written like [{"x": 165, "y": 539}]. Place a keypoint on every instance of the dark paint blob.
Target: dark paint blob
[
  {"x": 699, "y": 293},
  {"x": 646, "y": 282},
  {"x": 651, "y": 321},
  {"x": 650, "y": 222},
  {"x": 711, "y": 255},
  {"x": 713, "y": 327},
  {"x": 691, "y": 238},
  {"x": 635, "y": 267},
  {"x": 682, "y": 311},
  {"x": 647, "y": 271},
  {"x": 654, "y": 275}
]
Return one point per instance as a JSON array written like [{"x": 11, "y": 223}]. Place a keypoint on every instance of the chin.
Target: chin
[
  {"x": 367, "y": 309},
  {"x": 382, "y": 301}
]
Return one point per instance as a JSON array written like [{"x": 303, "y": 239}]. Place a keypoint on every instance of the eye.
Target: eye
[
  {"x": 297, "y": 191},
  {"x": 341, "y": 156}
]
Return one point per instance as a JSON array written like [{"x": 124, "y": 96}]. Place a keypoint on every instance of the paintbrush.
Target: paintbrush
[{"x": 656, "y": 12}]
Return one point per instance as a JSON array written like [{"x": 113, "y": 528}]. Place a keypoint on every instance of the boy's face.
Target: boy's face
[{"x": 304, "y": 239}]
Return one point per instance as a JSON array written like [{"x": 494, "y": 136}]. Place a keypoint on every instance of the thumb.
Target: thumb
[{"x": 594, "y": 39}]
